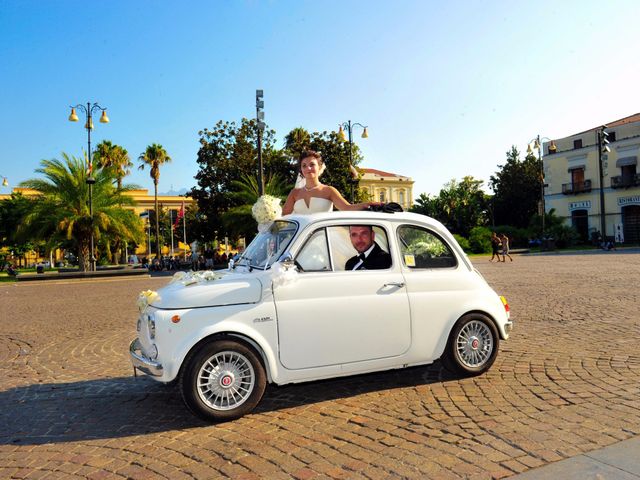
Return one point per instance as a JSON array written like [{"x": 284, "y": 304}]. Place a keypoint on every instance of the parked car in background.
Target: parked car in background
[{"x": 290, "y": 312}]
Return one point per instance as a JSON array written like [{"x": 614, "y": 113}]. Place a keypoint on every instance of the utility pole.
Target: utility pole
[{"x": 261, "y": 125}]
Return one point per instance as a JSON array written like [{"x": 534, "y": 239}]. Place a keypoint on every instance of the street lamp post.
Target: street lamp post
[
  {"x": 5, "y": 182},
  {"x": 348, "y": 125},
  {"x": 88, "y": 111},
  {"x": 552, "y": 149}
]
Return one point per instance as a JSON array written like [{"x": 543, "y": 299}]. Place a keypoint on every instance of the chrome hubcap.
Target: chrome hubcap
[
  {"x": 474, "y": 344},
  {"x": 225, "y": 380}
]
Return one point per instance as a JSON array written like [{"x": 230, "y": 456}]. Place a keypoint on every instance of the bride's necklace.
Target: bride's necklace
[{"x": 309, "y": 189}]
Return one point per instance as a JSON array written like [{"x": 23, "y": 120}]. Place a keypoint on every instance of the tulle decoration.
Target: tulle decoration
[
  {"x": 282, "y": 275},
  {"x": 265, "y": 211},
  {"x": 194, "y": 277}
]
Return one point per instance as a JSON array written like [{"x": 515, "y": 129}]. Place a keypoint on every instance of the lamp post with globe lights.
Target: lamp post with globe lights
[
  {"x": 348, "y": 135},
  {"x": 552, "y": 149},
  {"x": 73, "y": 117}
]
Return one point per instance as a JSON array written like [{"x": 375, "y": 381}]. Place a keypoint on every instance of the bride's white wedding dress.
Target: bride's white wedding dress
[{"x": 316, "y": 205}]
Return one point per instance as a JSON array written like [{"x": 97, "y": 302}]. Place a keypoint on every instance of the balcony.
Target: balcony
[
  {"x": 625, "y": 181},
  {"x": 576, "y": 187}
]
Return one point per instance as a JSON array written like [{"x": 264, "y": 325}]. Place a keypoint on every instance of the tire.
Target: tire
[
  {"x": 472, "y": 346},
  {"x": 223, "y": 380}
]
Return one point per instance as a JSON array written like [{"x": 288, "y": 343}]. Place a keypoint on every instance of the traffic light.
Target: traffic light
[
  {"x": 260, "y": 109},
  {"x": 604, "y": 140}
]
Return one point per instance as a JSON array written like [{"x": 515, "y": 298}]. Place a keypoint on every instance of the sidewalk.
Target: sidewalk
[{"x": 620, "y": 461}]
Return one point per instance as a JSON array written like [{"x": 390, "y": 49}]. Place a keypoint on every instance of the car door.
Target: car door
[
  {"x": 330, "y": 316},
  {"x": 437, "y": 284}
]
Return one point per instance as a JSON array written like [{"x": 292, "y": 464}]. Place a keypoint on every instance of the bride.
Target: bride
[{"x": 314, "y": 196}]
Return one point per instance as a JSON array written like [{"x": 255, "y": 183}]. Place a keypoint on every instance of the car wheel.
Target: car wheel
[
  {"x": 223, "y": 380},
  {"x": 473, "y": 345}
]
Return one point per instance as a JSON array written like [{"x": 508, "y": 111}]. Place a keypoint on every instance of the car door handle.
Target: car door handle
[{"x": 394, "y": 284}]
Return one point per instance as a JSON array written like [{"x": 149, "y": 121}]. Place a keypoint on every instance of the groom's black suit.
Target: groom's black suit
[{"x": 376, "y": 260}]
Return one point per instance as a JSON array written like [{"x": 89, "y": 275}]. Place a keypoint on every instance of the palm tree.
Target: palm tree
[
  {"x": 238, "y": 220},
  {"x": 153, "y": 157},
  {"x": 297, "y": 141},
  {"x": 114, "y": 157},
  {"x": 62, "y": 210}
]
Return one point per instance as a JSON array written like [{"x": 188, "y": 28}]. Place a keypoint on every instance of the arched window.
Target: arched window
[
  {"x": 382, "y": 195},
  {"x": 401, "y": 197}
]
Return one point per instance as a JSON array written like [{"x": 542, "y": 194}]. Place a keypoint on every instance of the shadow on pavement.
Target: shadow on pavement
[{"x": 126, "y": 406}]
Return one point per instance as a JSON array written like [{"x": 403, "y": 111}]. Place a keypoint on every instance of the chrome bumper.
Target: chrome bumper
[{"x": 143, "y": 363}]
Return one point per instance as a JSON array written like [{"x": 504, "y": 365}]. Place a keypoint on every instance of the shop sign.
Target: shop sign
[
  {"x": 580, "y": 205},
  {"x": 623, "y": 201}
]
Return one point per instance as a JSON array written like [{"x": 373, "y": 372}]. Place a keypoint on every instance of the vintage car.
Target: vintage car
[{"x": 288, "y": 311}]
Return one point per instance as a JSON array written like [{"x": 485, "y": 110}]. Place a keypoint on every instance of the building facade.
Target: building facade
[
  {"x": 573, "y": 187},
  {"x": 144, "y": 203},
  {"x": 387, "y": 187}
]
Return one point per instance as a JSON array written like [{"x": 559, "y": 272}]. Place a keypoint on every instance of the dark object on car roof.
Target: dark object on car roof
[{"x": 391, "y": 207}]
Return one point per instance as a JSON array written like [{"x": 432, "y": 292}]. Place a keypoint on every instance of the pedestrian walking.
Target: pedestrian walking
[
  {"x": 505, "y": 248},
  {"x": 496, "y": 244}
]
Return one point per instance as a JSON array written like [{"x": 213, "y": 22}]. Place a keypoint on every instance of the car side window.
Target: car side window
[
  {"x": 420, "y": 248},
  {"x": 342, "y": 248},
  {"x": 314, "y": 255}
]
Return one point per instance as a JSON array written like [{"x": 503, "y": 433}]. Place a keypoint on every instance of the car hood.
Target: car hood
[{"x": 224, "y": 289}]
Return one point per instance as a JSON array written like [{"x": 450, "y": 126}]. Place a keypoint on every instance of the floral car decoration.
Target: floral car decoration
[{"x": 290, "y": 311}]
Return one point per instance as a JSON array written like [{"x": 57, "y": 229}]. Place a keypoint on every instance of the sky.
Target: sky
[{"x": 445, "y": 88}]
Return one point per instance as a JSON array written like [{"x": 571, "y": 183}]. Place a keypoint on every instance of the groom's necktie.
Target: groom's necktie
[{"x": 361, "y": 257}]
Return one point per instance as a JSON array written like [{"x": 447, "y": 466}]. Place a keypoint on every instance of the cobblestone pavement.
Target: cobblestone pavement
[{"x": 567, "y": 382}]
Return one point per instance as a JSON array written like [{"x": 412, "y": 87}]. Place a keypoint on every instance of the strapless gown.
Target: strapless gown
[{"x": 316, "y": 205}]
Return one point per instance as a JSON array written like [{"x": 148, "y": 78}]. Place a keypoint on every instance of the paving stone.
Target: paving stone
[{"x": 566, "y": 383}]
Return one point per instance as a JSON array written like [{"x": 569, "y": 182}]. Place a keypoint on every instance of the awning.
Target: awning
[{"x": 626, "y": 161}]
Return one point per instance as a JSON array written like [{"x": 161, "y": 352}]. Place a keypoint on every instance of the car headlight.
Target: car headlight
[{"x": 151, "y": 324}]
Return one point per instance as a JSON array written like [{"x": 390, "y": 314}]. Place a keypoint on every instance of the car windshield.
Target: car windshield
[{"x": 267, "y": 247}]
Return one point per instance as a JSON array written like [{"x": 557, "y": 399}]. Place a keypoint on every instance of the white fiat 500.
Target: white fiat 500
[{"x": 290, "y": 311}]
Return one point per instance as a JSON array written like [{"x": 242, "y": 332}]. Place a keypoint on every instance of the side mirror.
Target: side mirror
[{"x": 287, "y": 260}]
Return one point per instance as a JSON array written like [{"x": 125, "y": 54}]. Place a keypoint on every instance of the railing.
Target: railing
[
  {"x": 576, "y": 187},
  {"x": 625, "y": 181}
]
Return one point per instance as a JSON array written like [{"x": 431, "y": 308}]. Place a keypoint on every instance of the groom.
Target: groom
[{"x": 370, "y": 255}]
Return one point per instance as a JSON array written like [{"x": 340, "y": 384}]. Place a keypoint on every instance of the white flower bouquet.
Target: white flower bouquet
[
  {"x": 265, "y": 211},
  {"x": 432, "y": 249},
  {"x": 145, "y": 298}
]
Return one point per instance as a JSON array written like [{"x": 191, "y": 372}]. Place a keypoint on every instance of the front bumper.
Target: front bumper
[{"x": 141, "y": 362}]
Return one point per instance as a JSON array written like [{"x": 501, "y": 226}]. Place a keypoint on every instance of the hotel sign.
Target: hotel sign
[
  {"x": 635, "y": 200},
  {"x": 580, "y": 205}
]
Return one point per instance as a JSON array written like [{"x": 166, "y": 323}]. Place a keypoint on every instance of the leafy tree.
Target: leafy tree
[
  {"x": 425, "y": 205},
  {"x": 335, "y": 153},
  {"x": 113, "y": 157},
  {"x": 516, "y": 188},
  {"x": 13, "y": 210},
  {"x": 154, "y": 157},
  {"x": 459, "y": 205},
  {"x": 480, "y": 240},
  {"x": 62, "y": 211},
  {"x": 228, "y": 154}
]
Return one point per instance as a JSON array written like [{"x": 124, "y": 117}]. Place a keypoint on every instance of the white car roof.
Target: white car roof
[{"x": 362, "y": 215}]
